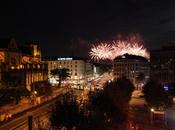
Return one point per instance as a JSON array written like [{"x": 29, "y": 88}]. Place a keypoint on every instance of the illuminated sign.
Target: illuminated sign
[
  {"x": 123, "y": 57},
  {"x": 166, "y": 88},
  {"x": 65, "y": 59}
]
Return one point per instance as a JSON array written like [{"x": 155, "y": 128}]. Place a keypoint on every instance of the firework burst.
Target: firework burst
[
  {"x": 116, "y": 48},
  {"x": 102, "y": 51}
]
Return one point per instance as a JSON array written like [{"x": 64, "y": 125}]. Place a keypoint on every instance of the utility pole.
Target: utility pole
[{"x": 30, "y": 122}]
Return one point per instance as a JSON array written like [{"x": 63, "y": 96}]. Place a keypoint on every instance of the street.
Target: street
[
  {"x": 41, "y": 111},
  {"x": 139, "y": 115}
]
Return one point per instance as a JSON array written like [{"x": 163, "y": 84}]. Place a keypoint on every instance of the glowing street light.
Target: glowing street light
[
  {"x": 151, "y": 115},
  {"x": 35, "y": 92},
  {"x": 152, "y": 109},
  {"x": 109, "y": 81}
]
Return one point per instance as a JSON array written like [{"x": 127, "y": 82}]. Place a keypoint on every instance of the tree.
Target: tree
[
  {"x": 140, "y": 77},
  {"x": 19, "y": 92},
  {"x": 156, "y": 96},
  {"x": 172, "y": 89},
  {"x": 61, "y": 74},
  {"x": 66, "y": 114},
  {"x": 11, "y": 80},
  {"x": 43, "y": 88},
  {"x": 111, "y": 104},
  {"x": 13, "y": 94}
]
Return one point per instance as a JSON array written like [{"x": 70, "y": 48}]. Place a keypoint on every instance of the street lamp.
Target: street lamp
[
  {"x": 35, "y": 92},
  {"x": 151, "y": 115},
  {"x": 152, "y": 109},
  {"x": 34, "y": 96}
]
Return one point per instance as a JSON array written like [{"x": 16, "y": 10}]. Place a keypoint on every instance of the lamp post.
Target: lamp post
[
  {"x": 165, "y": 118},
  {"x": 151, "y": 115},
  {"x": 30, "y": 118},
  {"x": 34, "y": 94}
]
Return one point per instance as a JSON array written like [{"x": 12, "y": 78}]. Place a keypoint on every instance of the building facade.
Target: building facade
[
  {"x": 131, "y": 67},
  {"x": 163, "y": 64},
  {"x": 80, "y": 70},
  {"x": 0, "y": 71},
  {"x": 24, "y": 63}
]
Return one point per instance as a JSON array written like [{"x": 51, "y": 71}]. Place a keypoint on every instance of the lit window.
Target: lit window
[{"x": 28, "y": 66}]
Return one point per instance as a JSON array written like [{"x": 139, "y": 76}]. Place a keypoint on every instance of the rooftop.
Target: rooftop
[{"x": 130, "y": 57}]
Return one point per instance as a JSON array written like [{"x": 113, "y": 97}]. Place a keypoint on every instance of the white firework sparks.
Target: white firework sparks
[{"x": 116, "y": 48}]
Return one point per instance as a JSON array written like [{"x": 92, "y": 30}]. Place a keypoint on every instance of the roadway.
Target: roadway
[
  {"x": 21, "y": 121},
  {"x": 139, "y": 115}
]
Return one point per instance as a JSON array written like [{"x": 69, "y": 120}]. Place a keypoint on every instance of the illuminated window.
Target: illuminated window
[
  {"x": 28, "y": 66},
  {"x": 12, "y": 67}
]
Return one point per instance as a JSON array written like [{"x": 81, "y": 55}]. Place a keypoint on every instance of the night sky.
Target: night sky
[{"x": 68, "y": 27}]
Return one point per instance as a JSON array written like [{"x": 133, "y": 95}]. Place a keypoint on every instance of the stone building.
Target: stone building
[
  {"x": 131, "y": 67},
  {"x": 163, "y": 64},
  {"x": 22, "y": 62}
]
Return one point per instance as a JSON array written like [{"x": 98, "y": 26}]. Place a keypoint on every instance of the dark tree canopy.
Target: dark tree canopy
[
  {"x": 172, "y": 89},
  {"x": 8, "y": 95},
  {"x": 113, "y": 101},
  {"x": 11, "y": 80},
  {"x": 43, "y": 88},
  {"x": 156, "y": 96},
  {"x": 140, "y": 77},
  {"x": 61, "y": 73},
  {"x": 66, "y": 114}
]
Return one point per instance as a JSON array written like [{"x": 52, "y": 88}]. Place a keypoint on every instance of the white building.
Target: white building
[{"x": 80, "y": 69}]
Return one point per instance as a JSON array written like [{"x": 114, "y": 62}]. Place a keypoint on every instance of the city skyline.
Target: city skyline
[{"x": 87, "y": 65}]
